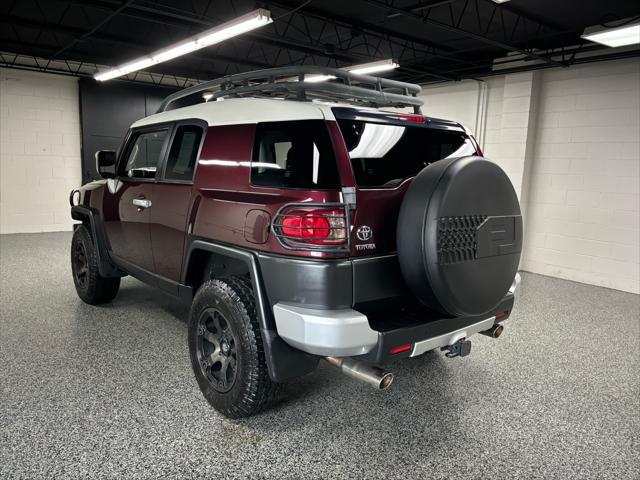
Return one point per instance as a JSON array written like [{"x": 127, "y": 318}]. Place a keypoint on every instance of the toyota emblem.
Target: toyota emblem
[{"x": 364, "y": 233}]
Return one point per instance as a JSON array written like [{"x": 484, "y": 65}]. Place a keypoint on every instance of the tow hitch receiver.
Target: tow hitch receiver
[{"x": 461, "y": 348}]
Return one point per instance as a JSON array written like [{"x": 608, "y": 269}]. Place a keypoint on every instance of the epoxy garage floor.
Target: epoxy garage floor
[{"x": 108, "y": 392}]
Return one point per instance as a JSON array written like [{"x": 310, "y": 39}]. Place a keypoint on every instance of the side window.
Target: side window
[
  {"x": 144, "y": 155},
  {"x": 183, "y": 153},
  {"x": 294, "y": 155}
]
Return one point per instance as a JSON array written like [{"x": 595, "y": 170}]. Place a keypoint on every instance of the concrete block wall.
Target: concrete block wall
[
  {"x": 39, "y": 150},
  {"x": 583, "y": 212}
]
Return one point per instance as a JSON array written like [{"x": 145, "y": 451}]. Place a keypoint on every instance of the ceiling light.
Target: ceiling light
[
  {"x": 626, "y": 34},
  {"x": 499, "y": 1},
  {"x": 218, "y": 34},
  {"x": 373, "y": 67},
  {"x": 362, "y": 69}
]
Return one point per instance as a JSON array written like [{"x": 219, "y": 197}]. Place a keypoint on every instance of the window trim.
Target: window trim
[
  {"x": 204, "y": 126},
  {"x": 132, "y": 136},
  {"x": 172, "y": 127}
]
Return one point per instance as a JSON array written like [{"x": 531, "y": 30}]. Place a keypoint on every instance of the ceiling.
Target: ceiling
[{"x": 433, "y": 40}]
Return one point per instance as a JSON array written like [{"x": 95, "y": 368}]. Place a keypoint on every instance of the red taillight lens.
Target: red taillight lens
[
  {"x": 318, "y": 227},
  {"x": 501, "y": 315},
  {"x": 410, "y": 117},
  {"x": 400, "y": 349}
]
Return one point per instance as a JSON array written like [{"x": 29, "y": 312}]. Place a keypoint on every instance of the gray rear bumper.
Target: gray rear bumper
[{"x": 346, "y": 332}]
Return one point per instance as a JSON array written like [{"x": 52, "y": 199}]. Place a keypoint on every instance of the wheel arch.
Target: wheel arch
[
  {"x": 201, "y": 253},
  {"x": 283, "y": 361}
]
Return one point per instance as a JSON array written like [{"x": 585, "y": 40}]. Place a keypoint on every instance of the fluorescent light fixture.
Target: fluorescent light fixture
[
  {"x": 625, "y": 34},
  {"x": 214, "y": 35},
  {"x": 373, "y": 67},
  {"x": 363, "y": 69},
  {"x": 499, "y": 1}
]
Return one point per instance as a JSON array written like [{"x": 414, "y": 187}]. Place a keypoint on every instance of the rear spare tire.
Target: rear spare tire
[{"x": 459, "y": 236}]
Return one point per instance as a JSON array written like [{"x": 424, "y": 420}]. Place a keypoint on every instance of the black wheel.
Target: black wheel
[
  {"x": 226, "y": 348},
  {"x": 92, "y": 288}
]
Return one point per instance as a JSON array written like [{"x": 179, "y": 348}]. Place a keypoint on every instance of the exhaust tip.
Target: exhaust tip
[
  {"x": 498, "y": 331},
  {"x": 373, "y": 375},
  {"x": 495, "y": 331},
  {"x": 386, "y": 381}
]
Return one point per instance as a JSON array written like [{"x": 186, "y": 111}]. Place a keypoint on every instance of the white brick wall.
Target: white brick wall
[
  {"x": 39, "y": 150},
  {"x": 583, "y": 209},
  {"x": 455, "y": 101}
]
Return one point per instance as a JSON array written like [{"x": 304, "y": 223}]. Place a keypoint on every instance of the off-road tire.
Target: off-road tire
[
  {"x": 252, "y": 390},
  {"x": 92, "y": 288}
]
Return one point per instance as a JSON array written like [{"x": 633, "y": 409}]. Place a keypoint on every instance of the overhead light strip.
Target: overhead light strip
[
  {"x": 362, "y": 69},
  {"x": 627, "y": 33},
  {"x": 233, "y": 28}
]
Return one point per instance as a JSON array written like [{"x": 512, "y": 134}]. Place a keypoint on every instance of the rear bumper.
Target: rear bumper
[
  {"x": 339, "y": 333},
  {"x": 347, "y": 332}
]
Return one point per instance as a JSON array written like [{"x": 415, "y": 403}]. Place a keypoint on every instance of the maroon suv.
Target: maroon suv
[{"x": 303, "y": 220}]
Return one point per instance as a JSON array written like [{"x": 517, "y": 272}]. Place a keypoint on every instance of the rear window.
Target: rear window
[
  {"x": 383, "y": 155},
  {"x": 294, "y": 155}
]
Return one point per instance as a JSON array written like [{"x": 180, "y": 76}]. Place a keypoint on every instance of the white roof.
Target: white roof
[{"x": 243, "y": 110}]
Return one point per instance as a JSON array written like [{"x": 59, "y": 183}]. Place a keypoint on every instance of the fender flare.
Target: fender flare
[{"x": 106, "y": 266}]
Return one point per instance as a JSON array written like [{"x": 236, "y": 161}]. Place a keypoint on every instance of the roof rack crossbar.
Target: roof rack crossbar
[{"x": 293, "y": 82}]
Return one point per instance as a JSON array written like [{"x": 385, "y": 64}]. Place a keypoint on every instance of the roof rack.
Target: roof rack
[{"x": 296, "y": 82}]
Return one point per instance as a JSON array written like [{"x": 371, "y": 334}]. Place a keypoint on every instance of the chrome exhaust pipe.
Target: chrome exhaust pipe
[
  {"x": 375, "y": 376},
  {"x": 494, "y": 332}
]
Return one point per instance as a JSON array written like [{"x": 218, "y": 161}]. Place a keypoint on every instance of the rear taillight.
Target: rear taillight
[{"x": 321, "y": 226}]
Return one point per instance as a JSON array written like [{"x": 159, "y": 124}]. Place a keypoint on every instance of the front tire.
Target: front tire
[
  {"x": 92, "y": 288},
  {"x": 226, "y": 349}
]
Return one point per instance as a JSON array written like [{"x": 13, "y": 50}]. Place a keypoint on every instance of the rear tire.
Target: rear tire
[
  {"x": 226, "y": 349},
  {"x": 92, "y": 288}
]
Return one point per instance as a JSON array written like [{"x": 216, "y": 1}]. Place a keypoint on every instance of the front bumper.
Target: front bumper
[{"x": 346, "y": 332}]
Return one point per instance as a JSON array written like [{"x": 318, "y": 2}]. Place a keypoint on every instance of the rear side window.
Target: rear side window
[
  {"x": 294, "y": 155},
  {"x": 144, "y": 155},
  {"x": 384, "y": 155},
  {"x": 183, "y": 153}
]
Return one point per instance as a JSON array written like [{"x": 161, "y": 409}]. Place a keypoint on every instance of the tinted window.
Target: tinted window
[
  {"x": 144, "y": 155},
  {"x": 384, "y": 155},
  {"x": 183, "y": 153},
  {"x": 294, "y": 155}
]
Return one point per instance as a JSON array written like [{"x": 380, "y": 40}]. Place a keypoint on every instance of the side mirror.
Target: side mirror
[{"x": 106, "y": 163}]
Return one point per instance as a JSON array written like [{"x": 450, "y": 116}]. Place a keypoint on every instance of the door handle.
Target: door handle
[{"x": 142, "y": 203}]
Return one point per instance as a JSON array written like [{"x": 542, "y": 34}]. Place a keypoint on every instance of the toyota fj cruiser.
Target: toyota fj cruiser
[{"x": 302, "y": 220}]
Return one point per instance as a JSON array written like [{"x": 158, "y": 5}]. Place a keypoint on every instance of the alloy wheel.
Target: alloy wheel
[{"x": 217, "y": 352}]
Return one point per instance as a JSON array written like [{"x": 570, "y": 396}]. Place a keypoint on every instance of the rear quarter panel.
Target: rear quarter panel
[{"x": 224, "y": 194}]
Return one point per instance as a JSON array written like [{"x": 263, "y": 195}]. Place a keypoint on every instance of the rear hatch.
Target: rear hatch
[{"x": 386, "y": 151}]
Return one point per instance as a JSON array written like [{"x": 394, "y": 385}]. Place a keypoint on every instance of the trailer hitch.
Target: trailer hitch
[{"x": 461, "y": 348}]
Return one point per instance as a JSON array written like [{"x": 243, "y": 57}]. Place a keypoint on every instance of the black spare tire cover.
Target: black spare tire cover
[{"x": 459, "y": 235}]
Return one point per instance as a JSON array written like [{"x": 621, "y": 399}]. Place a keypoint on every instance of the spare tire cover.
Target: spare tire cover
[{"x": 459, "y": 235}]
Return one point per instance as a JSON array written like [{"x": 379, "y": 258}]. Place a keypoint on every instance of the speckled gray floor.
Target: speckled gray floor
[{"x": 108, "y": 392}]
